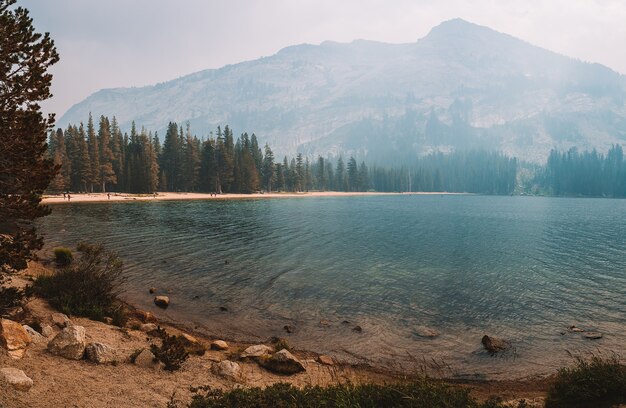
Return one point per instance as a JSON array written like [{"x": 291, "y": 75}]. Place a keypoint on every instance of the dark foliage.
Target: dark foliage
[
  {"x": 421, "y": 393},
  {"x": 25, "y": 171},
  {"x": 172, "y": 352},
  {"x": 88, "y": 287},
  {"x": 9, "y": 298},
  {"x": 594, "y": 383},
  {"x": 63, "y": 256}
]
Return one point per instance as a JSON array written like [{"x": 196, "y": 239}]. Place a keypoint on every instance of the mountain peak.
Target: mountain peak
[{"x": 459, "y": 29}]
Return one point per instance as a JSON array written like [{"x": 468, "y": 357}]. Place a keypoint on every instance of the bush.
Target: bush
[
  {"x": 9, "y": 298},
  {"x": 63, "y": 256},
  {"x": 594, "y": 383},
  {"x": 172, "y": 352},
  {"x": 88, "y": 287},
  {"x": 417, "y": 394}
]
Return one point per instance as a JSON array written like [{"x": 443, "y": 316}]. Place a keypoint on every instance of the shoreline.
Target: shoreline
[{"x": 166, "y": 196}]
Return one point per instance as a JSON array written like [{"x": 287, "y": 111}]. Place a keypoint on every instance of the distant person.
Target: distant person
[
  {"x": 64, "y": 196},
  {"x": 108, "y": 196},
  {"x": 155, "y": 194},
  {"x": 68, "y": 197}
]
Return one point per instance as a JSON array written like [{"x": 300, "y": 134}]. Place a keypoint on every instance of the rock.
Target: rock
[
  {"x": 47, "y": 330},
  {"x": 189, "y": 338},
  {"x": 592, "y": 335},
  {"x": 35, "y": 336},
  {"x": 14, "y": 338},
  {"x": 326, "y": 360},
  {"x": 223, "y": 309},
  {"x": 257, "y": 351},
  {"x": 575, "y": 329},
  {"x": 288, "y": 328},
  {"x": 16, "y": 378},
  {"x": 423, "y": 331},
  {"x": 146, "y": 359},
  {"x": 145, "y": 316},
  {"x": 152, "y": 290},
  {"x": 100, "y": 353},
  {"x": 357, "y": 329},
  {"x": 60, "y": 319},
  {"x": 162, "y": 301},
  {"x": 282, "y": 362},
  {"x": 324, "y": 323},
  {"x": 108, "y": 320},
  {"x": 345, "y": 322},
  {"x": 495, "y": 344},
  {"x": 228, "y": 369},
  {"x": 148, "y": 327},
  {"x": 69, "y": 343},
  {"x": 219, "y": 345}
]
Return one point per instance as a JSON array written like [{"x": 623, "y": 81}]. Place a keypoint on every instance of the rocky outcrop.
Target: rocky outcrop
[
  {"x": 495, "y": 344},
  {"x": 47, "y": 330},
  {"x": 257, "y": 351},
  {"x": 15, "y": 378},
  {"x": 219, "y": 345},
  {"x": 162, "y": 301},
  {"x": 228, "y": 369},
  {"x": 282, "y": 362},
  {"x": 35, "y": 336},
  {"x": 61, "y": 320},
  {"x": 69, "y": 343},
  {"x": 100, "y": 353},
  {"x": 14, "y": 338}
]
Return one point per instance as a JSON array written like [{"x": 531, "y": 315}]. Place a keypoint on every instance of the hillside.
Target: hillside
[{"x": 461, "y": 86}]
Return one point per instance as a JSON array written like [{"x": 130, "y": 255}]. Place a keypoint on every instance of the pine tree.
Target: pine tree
[
  {"x": 170, "y": 159},
  {"x": 118, "y": 151},
  {"x": 58, "y": 152},
  {"x": 25, "y": 171},
  {"x": 269, "y": 169},
  {"x": 353, "y": 175},
  {"x": 106, "y": 174},
  {"x": 94, "y": 154}
]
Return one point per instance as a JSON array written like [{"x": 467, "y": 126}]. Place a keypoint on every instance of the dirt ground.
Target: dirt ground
[{"x": 59, "y": 382}]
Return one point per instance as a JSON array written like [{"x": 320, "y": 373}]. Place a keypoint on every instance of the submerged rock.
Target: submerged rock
[
  {"x": 495, "y": 344},
  {"x": 14, "y": 338},
  {"x": 592, "y": 335},
  {"x": 162, "y": 301},
  {"x": 69, "y": 343},
  {"x": 575, "y": 329},
  {"x": 357, "y": 329},
  {"x": 282, "y": 362},
  {"x": 228, "y": 369},
  {"x": 152, "y": 290},
  {"x": 16, "y": 378}
]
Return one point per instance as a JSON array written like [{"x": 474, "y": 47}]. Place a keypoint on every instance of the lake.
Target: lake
[{"x": 522, "y": 268}]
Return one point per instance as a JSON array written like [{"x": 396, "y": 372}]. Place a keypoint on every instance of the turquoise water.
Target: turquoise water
[{"x": 523, "y": 268}]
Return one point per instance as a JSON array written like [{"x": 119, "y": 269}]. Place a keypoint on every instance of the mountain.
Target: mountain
[{"x": 462, "y": 86}]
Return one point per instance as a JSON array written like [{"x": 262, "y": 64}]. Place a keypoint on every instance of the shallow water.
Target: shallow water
[{"x": 523, "y": 268}]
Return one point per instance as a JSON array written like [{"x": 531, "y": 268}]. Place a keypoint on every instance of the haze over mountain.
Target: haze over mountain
[{"x": 462, "y": 86}]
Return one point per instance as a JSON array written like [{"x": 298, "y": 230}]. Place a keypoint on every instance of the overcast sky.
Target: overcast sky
[{"x": 119, "y": 43}]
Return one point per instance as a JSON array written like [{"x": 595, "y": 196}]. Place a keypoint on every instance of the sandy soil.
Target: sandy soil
[
  {"x": 103, "y": 197},
  {"x": 59, "y": 382}
]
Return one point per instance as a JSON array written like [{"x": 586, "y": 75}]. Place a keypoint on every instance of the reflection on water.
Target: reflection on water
[{"x": 519, "y": 267}]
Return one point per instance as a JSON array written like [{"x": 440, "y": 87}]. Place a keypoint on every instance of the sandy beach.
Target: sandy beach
[{"x": 104, "y": 197}]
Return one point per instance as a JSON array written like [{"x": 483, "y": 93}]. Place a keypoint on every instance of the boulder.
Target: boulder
[
  {"x": 228, "y": 369},
  {"x": 282, "y": 362},
  {"x": 14, "y": 338},
  {"x": 162, "y": 301},
  {"x": 148, "y": 327},
  {"x": 326, "y": 360},
  {"x": 60, "y": 319},
  {"x": 592, "y": 335},
  {"x": 494, "y": 344},
  {"x": 69, "y": 343},
  {"x": 47, "y": 330},
  {"x": 146, "y": 359},
  {"x": 152, "y": 290},
  {"x": 357, "y": 329},
  {"x": 100, "y": 353},
  {"x": 35, "y": 336},
  {"x": 219, "y": 345},
  {"x": 257, "y": 351},
  {"x": 575, "y": 329},
  {"x": 16, "y": 378},
  {"x": 189, "y": 338},
  {"x": 424, "y": 331},
  {"x": 145, "y": 316}
]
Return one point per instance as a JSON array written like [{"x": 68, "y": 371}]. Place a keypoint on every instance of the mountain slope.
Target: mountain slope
[{"x": 461, "y": 86}]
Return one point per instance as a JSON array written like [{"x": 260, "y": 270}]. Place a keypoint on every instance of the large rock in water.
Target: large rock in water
[
  {"x": 100, "y": 353},
  {"x": 495, "y": 344},
  {"x": 69, "y": 343},
  {"x": 16, "y": 378},
  {"x": 282, "y": 362},
  {"x": 228, "y": 369},
  {"x": 162, "y": 301},
  {"x": 14, "y": 338}
]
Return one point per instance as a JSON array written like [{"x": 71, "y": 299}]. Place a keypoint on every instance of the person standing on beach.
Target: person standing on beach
[
  {"x": 108, "y": 196},
  {"x": 68, "y": 197}
]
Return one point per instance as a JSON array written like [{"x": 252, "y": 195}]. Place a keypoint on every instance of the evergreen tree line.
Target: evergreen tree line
[
  {"x": 587, "y": 173},
  {"x": 101, "y": 158}
]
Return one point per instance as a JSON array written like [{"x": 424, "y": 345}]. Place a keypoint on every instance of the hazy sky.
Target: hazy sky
[{"x": 119, "y": 43}]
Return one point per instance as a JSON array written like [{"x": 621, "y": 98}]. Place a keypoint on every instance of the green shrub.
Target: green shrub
[
  {"x": 172, "y": 352},
  {"x": 63, "y": 256},
  {"x": 417, "y": 394},
  {"x": 594, "y": 383},
  {"x": 88, "y": 287}
]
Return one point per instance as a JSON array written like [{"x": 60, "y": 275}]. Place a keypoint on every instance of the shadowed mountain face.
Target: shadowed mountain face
[{"x": 461, "y": 86}]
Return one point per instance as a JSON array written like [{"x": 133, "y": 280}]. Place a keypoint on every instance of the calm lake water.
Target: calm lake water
[{"x": 523, "y": 268}]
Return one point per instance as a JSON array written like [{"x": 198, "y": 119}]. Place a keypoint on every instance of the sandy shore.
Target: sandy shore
[{"x": 103, "y": 197}]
